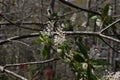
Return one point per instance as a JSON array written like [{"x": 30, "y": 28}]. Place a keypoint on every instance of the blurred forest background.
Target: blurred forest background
[{"x": 25, "y": 50}]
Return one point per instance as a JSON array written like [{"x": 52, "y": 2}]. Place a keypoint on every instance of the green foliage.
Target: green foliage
[
  {"x": 65, "y": 48},
  {"x": 47, "y": 42},
  {"x": 68, "y": 25},
  {"x": 106, "y": 19},
  {"x": 45, "y": 51},
  {"x": 105, "y": 10},
  {"x": 78, "y": 59},
  {"x": 82, "y": 49},
  {"x": 45, "y": 39}
]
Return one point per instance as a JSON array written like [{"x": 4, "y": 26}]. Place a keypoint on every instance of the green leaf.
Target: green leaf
[
  {"x": 61, "y": 52},
  {"x": 78, "y": 58},
  {"x": 91, "y": 15},
  {"x": 77, "y": 65},
  {"x": 105, "y": 10},
  {"x": 66, "y": 44},
  {"x": 54, "y": 16},
  {"x": 107, "y": 20},
  {"x": 90, "y": 74},
  {"x": 39, "y": 40},
  {"x": 44, "y": 36},
  {"x": 83, "y": 49},
  {"x": 68, "y": 25},
  {"x": 51, "y": 41},
  {"x": 45, "y": 51}
]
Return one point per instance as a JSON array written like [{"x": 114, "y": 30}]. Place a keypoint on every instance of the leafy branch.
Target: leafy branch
[{"x": 97, "y": 34}]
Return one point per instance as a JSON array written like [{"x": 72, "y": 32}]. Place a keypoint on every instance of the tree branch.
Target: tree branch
[
  {"x": 3, "y": 68},
  {"x": 76, "y": 7},
  {"x": 18, "y": 37},
  {"x": 109, "y": 38},
  {"x": 31, "y": 63},
  {"x": 97, "y": 34},
  {"x": 1, "y": 15},
  {"x": 12, "y": 73},
  {"x": 23, "y": 23},
  {"x": 110, "y": 25},
  {"x": 109, "y": 45}
]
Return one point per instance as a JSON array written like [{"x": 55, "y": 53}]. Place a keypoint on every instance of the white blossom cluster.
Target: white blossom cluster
[
  {"x": 49, "y": 28},
  {"x": 113, "y": 76},
  {"x": 59, "y": 38}
]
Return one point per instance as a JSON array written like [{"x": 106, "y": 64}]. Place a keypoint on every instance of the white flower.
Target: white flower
[
  {"x": 59, "y": 39},
  {"x": 84, "y": 24},
  {"x": 59, "y": 50},
  {"x": 73, "y": 17},
  {"x": 99, "y": 23},
  {"x": 110, "y": 11},
  {"x": 84, "y": 66}
]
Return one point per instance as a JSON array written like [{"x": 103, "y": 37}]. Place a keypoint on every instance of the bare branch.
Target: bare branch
[
  {"x": 110, "y": 25},
  {"x": 1, "y": 15},
  {"x": 109, "y": 38},
  {"x": 76, "y": 7},
  {"x": 109, "y": 45},
  {"x": 12, "y": 73},
  {"x": 31, "y": 63},
  {"x": 97, "y": 34},
  {"x": 23, "y": 23},
  {"x": 18, "y": 37},
  {"x": 21, "y": 43}
]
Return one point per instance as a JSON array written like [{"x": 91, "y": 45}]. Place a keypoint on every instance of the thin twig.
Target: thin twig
[
  {"x": 18, "y": 37},
  {"x": 109, "y": 45},
  {"x": 19, "y": 26},
  {"x": 38, "y": 71},
  {"x": 110, "y": 25},
  {"x": 21, "y": 43},
  {"x": 109, "y": 38},
  {"x": 12, "y": 73},
  {"x": 23, "y": 23},
  {"x": 31, "y": 63}
]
